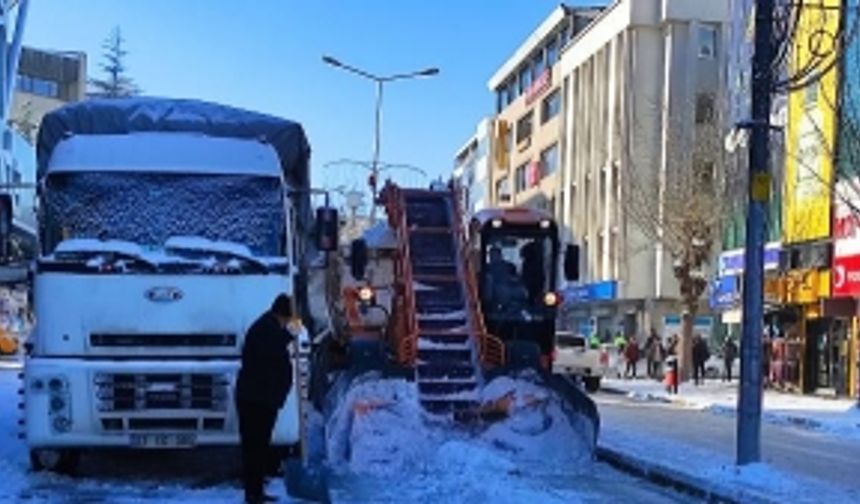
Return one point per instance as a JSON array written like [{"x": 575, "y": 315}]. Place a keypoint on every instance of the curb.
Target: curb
[{"x": 668, "y": 477}]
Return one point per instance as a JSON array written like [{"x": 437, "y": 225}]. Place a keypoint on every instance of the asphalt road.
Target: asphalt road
[{"x": 792, "y": 450}]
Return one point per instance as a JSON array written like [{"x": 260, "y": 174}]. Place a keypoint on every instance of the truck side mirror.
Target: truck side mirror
[
  {"x": 571, "y": 263},
  {"x": 327, "y": 229},
  {"x": 358, "y": 258},
  {"x": 5, "y": 225}
]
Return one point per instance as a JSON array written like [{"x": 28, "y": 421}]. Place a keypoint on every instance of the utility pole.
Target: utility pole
[{"x": 750, "y": 395}]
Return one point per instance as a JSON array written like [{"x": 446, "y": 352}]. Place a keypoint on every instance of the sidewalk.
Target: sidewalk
[{"x": 835, "y": 417}]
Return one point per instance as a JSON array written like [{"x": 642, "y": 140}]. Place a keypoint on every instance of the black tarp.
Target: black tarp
[{"x": 106, "y": 116}]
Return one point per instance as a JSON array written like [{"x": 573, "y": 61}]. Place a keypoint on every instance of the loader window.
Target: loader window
[{"x": 517, "y": 270}]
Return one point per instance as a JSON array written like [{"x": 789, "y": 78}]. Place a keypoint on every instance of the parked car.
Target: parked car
[{"x": 573, "y": 356}]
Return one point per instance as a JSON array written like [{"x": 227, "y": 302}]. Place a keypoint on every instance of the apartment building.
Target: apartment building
[
  {"x": 46, "y": 80},
  {"x": 473, "y": 163},
  {"x": 527, "y": 155},
  {"x": 637, "y": 84}
]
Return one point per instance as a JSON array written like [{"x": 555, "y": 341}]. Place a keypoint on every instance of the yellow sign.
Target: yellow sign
[
  {"x": 806, "y": 286},
  {"x": 811, "y": 131},
  {"x": 760, "y": 187},
  {"x": 503, "y": 129}
]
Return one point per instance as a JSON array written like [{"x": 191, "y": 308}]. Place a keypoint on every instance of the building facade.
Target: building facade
[
  {"x": 473, "y": 163},
  {"x": 528, "y": 106},
  {"x": 639, "y": 85},
  {"x": 46, "y": 80}
]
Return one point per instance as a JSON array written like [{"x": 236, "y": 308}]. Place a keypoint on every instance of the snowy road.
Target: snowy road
[
  {"x": 792, "y": 450},
  {"x": 470, "y": 474}
]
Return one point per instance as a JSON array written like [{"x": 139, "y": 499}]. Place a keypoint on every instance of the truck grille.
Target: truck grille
[
  {"x": 162, "y": 340},
  {"x": 118, "y": 392}
]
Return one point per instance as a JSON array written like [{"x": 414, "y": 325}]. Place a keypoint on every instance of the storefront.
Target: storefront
[
  {"x": 837, "y": 355},
  {"x": 590, "y": 309},
  {"x": 807, "y": 344}
]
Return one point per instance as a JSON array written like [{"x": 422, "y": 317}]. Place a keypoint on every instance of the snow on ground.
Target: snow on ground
[
  {"x": 715, "y": 470},
  {"x": 185, "y": 477},
  {"x": 839, "y": 417},
  {"x": 380, "y": 437}
]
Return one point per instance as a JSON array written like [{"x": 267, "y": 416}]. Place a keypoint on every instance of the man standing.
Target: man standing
[
  {"x": 700, "y": 357},
  {"x": 730, "y": 351},
  {"x": 261, "y": 390}
]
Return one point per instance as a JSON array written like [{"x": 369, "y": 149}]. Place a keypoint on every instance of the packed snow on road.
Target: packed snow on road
[{"x": 382, "y": 447}]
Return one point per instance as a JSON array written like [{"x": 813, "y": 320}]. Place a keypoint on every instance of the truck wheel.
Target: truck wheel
[
  {"x": 592, "y": 383},
  {"x": 57, "y": 461}
]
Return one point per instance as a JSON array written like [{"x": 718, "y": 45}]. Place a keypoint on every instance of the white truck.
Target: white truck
[{"x": 166, "y": 228}]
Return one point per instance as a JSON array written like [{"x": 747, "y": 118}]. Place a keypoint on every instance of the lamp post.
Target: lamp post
[{"x": 380, "y": 81}]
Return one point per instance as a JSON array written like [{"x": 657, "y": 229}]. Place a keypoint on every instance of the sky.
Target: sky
[{"x": 266, "y": 55}]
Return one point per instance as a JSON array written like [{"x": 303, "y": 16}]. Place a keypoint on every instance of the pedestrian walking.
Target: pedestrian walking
[
  {"x": 631, "y": 355},
  {"x": 730, "y": 352},
  {"x": 653, "y": 354},
  {"x": 700, "y": 356},
  {"x": 264, "y": 381}
]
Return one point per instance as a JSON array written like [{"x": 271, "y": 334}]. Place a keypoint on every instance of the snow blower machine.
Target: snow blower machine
[{"x": 450, "y": 305}]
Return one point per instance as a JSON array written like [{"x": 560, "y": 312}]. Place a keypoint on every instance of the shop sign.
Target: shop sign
[
  {"x": 732, "y": 261},
  {"x": 725, "y": 293},
  {"x": 598, "y": 291},
  {"x": 846, "y": 242},
  {"x": 541, "y": 84},
  {"x": 674, "y": 324},
  {"x": 806, "y": 286}
]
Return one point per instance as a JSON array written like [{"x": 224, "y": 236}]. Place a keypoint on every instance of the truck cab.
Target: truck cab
[{"x": 158, "y": 250}]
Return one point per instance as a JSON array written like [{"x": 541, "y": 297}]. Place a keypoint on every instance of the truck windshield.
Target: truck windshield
[{"x": 147, "y": 209}]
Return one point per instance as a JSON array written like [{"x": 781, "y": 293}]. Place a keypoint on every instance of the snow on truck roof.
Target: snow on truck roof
[
  {"x": 162, "y": 153},
  {"x": 152, "y": 115}
]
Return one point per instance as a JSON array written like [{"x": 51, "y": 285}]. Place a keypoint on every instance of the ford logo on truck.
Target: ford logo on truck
[{"x": 163, "y": 294}]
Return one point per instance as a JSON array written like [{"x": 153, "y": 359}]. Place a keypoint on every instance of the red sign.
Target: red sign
[
  {"x": 541, "y": 84},
  {"x": 846, "y": 276},
  {"x": 533, "y": 174}
]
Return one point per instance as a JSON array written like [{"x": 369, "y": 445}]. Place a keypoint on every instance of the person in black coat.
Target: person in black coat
[{"x": 264, "y": 381}]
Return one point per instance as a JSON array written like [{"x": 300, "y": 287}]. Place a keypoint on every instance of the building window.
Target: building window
[
  {"x": 524, "y": 127},
  {"x": 503, "y": 190},
  {"x": 520, "y": 178},
  {"x": 37, "y": 86},
  {"x": 538, "y": 65},
  {"x": 705, "y": 108},
  {"x": 564, "y": 34},
  {"x": 510, "y": 91},
  {"x": 551, "y": 106},
  {"x": 707, "y": 42},
  {"x": 525, "y": 78},
  {"x": 549, "y": 160},
  {"x": 551, "y": 52}
]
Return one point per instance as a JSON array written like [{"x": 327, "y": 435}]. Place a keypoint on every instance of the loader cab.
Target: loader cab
[{"x": 516, "y": 256}]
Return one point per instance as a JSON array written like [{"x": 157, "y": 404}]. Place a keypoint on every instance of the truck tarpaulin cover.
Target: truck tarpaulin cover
[{"x": 131, "y": 115}]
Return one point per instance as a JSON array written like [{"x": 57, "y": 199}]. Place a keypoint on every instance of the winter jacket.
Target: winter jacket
[
  {"x": 267, "y": 372},
  {"x": 631, "y": 351},
  {"x": 700, "y": 352},
  {"x": 730, "y": 351}
]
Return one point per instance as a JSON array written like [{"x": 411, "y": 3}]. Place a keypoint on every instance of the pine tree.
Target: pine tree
[{"x": 117, "y": 83}]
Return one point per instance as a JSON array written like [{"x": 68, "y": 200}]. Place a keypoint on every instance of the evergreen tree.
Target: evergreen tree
[{"x": 116, "y": 83}]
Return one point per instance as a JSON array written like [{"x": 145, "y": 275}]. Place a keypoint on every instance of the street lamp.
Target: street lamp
[{"x": 380, "y": 81}]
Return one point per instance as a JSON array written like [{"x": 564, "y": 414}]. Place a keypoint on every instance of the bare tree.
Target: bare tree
[
  {"x": 116, "y": 83},
  {"x": 685, "y": 212}
]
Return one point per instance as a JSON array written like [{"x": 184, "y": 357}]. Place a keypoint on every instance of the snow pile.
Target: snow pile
[
  {"x": 839, "y": 417},
  {"x": 540, "y": 429},
  {"x": 379, "y": 437},
  {"x": 379, "y": 427},
  {"x": 373, "y": 428},
  {"x": 452, "y": 315}
]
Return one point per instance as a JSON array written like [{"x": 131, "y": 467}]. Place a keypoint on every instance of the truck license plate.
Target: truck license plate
[{"x": 183, "y": 440}]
